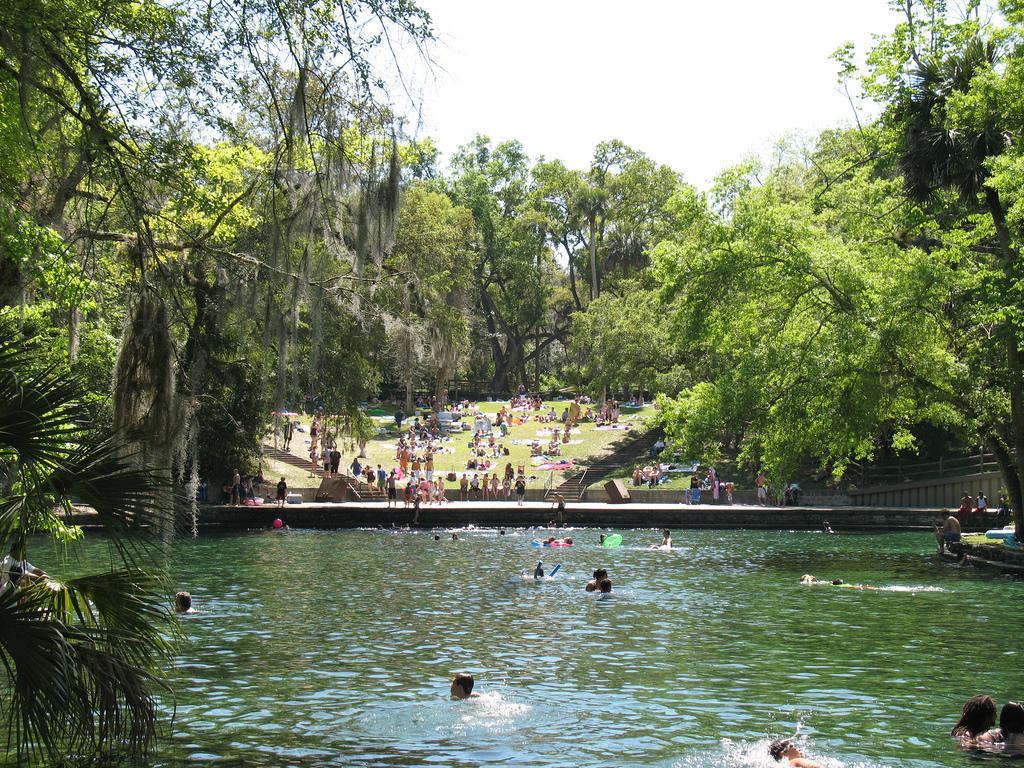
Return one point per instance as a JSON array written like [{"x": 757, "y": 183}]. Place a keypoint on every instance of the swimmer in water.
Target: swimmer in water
[
  {"x": 595, "y": 583},
  {"x": 183, "y": 603},
  {"x": 437, "y": 537},
  {"x": 455, "y": 537},
  {"x": 666, "y": 540},
  {"x": 977, "y": 716},
  {"x": 605, "y": 586},
  {"x": 601, "y": 540},
  {"x": 462, "y": 687},
  {"x": 786, "y": 750},
  {"x": 1010, "y": 732},
  {"x": 809, "y": 580}
]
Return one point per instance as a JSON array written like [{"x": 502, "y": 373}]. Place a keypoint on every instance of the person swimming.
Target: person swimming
[
  {"x": 786, "y": 749},
  {"x": 809, "y": 580},
  {"x": 1010, "y": 732},
  {"x": 183, "y": 603},
  {"x": 976, "y": 717},
  {"x": 605, "y": 586},
  {"x": 462, "y": 687},
  {"x": 666, "y": 540},
  {"x": 595, "y": 583}
]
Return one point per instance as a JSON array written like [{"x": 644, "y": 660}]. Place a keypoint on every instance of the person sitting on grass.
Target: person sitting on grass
[{"x": 786, "y": 749}]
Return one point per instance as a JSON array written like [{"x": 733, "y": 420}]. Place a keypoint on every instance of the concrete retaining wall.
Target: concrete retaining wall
[
  {"x": 596, "y": 493},
  {"x": 353, "y": 515}
]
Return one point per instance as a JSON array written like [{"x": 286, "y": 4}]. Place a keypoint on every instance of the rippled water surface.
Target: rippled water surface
[{"x": 336, "y": 648}]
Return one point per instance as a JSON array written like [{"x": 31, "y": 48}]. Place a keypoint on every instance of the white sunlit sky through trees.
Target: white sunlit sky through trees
[{"x": 696, "y": 85}]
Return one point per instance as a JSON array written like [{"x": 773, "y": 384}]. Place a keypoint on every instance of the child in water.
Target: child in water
[
  {"x": 462, "y": 687},
  {"x": 595, "y": 583},
  {"x": 666, "y": 540},
  {"x": 183, "y": 603},
  {"x": 786, "y": 749}
]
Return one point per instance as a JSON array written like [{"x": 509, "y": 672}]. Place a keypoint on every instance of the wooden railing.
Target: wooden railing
[{"x": 907, "y": 472}]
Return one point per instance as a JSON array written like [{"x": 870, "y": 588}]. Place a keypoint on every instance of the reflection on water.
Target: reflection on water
[{"x": 337, "y": 648}]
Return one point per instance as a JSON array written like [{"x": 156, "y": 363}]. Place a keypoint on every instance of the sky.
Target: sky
[{"x": 696, "y": 85}]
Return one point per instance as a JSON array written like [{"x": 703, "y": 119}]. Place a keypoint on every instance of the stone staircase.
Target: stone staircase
[
  {"x": 629, "y": 451},
  {"x": 361, "y": 490}
]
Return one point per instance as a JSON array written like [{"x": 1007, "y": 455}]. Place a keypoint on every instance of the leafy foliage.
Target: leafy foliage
[{"x": 79, "y": 655}]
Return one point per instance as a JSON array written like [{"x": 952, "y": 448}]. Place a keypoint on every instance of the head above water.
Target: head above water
[
  {"x": 978, "y": 715},
  {"x": 783, "y": 748},
  {"x": 604, "y": 585},
  {"x": 462, "y": 685},
  {"x": 600, "y": 574},
  {"x": 182, "y": 602},
  {"x": 1011, "y": 718}
]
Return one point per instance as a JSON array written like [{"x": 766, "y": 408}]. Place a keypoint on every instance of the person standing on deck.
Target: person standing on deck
[{"x": 762, "y": 488}]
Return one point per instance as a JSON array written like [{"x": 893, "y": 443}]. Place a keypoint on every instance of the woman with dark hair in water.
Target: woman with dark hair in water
[
  {"x": 1011, "y": 727},
  {"x": 978, "y": 715}
]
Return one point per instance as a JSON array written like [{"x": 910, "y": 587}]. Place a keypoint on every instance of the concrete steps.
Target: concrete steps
[
  {"x": 629, "y": 452},
  {"x": 362, "y": 489}
]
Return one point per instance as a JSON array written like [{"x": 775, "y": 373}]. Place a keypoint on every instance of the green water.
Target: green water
[{"x": 336, "y": 648}]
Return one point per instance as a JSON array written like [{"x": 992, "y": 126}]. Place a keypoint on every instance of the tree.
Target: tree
[
  {"x": 80, "y": 655},
  {"x": 433, "y": 263},
  {"x": 951, "y": 91},
  {"x": 797, "y": 313},
  {"x": 514, "y": 270}
]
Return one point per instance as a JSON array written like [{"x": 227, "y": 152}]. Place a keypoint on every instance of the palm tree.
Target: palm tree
[
  {"x": 79, "y": 655},
  {"x": 935, "y": 155}
]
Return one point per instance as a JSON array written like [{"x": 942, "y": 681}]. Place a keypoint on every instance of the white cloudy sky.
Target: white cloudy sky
[{"x": 697, "y": 85}]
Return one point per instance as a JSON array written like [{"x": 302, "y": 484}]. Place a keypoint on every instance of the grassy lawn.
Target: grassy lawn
[{"x": 588, "y": 443}]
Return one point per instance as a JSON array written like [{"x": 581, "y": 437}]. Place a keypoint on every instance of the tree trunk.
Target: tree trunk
[
  {"x": 572, "y": 278},
  {"x": 1017, "y": 425},
  {"x": 407, "y": 368},
  {"x": 282, "y": 363},
  {"x": 1013, "y": 360},
  {"x": 1011, "y": 476},
  {"x": 508, "y": 364},
  {"x": 440, "y": 400},
  {"x": 74, "y": 323},
  {"x": 594, "y": 288}
]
